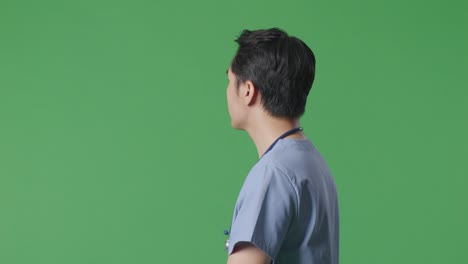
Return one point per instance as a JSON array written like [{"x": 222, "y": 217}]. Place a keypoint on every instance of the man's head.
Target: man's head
[{"x": 280, "y": 68}]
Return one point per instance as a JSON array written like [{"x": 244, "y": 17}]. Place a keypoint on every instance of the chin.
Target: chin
[{"x": 235, "y": 125}]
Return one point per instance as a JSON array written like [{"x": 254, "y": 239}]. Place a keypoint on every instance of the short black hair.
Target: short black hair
[{"x": 280, "y": 66}]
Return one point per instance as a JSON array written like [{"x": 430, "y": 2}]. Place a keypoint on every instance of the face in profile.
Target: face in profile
[{"x": 233, "y": 101}]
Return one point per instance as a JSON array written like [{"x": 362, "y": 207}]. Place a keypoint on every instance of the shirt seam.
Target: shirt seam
[{"x": 296, "y": 190}]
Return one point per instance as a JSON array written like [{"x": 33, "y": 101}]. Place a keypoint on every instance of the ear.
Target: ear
[{"x": 249, "y": 93}]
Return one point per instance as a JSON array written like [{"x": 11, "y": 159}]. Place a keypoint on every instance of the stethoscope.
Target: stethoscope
[{"x": 287, "y": 133}]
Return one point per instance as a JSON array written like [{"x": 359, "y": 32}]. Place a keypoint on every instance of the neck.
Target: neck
[{"x": 264, "y": 131}]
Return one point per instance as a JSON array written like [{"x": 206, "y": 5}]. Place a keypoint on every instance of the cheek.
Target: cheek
[
  {"x": 229, "y": 98},
  {"x": 230, "y": 93},
  {"x": 232, "y": 102}
]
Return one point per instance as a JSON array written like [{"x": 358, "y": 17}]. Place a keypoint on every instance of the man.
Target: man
[{"x": 287, "y": 209}]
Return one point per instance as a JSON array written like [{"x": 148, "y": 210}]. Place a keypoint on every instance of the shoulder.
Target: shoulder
[
  {"x": 289, "y": 156},
  {"x": 268, "y": 171},
  {"x": 271, "y": 176}
]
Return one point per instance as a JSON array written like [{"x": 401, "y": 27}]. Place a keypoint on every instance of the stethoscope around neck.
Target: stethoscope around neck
[{"x": 287, "y": 133}]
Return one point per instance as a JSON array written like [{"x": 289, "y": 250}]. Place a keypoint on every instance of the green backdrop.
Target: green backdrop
[{"x": 116, "y": 145}]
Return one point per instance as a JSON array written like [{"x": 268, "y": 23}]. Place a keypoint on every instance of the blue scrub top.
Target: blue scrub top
[{"x": 288, "y": 206}]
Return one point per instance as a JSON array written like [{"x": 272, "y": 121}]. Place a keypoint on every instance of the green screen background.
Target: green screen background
[{"x": 116, "y": 145}]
